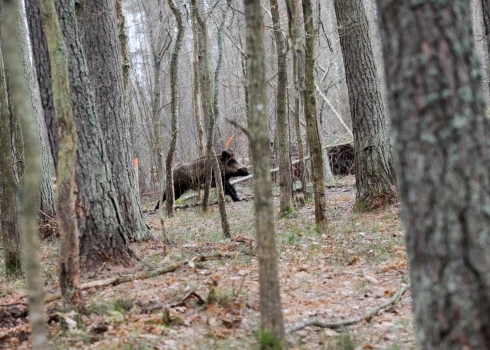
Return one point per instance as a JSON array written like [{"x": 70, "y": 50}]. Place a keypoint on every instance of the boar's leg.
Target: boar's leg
[
  {"x": 231, "y": 191},
  {"x": 163, "y": 200}
]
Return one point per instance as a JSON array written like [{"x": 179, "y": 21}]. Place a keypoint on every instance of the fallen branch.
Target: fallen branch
[
  {"x": 338, "y": 324},
  {"x": 137, "y": 276}
]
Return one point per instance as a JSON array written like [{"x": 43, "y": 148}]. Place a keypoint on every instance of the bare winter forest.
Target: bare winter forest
[{"x": 219, "y": 174}]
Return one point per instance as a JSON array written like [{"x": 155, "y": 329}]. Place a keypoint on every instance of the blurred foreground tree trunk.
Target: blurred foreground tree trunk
[
  {"x": 30, "y": 237},
  {"x": 270, "y": 299},
  {"x": 442, "y": 142},
  {"x": 375, "y": 175}
]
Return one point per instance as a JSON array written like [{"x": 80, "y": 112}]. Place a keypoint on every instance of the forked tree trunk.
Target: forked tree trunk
[
  {"x": 103, "y": 53},
  {"x": 283, "y": 150},
  {"x": 174, "y": 90},
  {"x": 375, "y": 176},
  {"x": 442, "y": 143},
  {"x": 9, "y": 206},
  {"x": 311, "y": 120},
  {"x": 69, "y": 267},
  {"x": 270, "y": 299},
  {"x": 30, "y": 237}
]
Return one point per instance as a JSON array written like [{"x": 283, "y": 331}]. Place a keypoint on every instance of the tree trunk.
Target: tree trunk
[
  {"x": 66, "y": 187},
  {"x": 195, "y": 87},
  {"x": 485, "y": 4},
  {"x": 375, "y": 176},
  {"x": 206, "y": 99},
  {"x": 284, "y": 154},
  {"x": 43, "y": 73},
  {"x": 270, "y": 299},
  {"x": 311, "y": 120},
  {"x": 442, "y": 144},
  {"x": 225, "y": 225},
  {"x": 174, "y": 90},
  {"x": 30, "y": 237},
  {"x": 103, "y": 53},
  {"x": 481, "y": 47},
  {"x": 9, "y": 206},
  {"x": 103, "y": 235}
]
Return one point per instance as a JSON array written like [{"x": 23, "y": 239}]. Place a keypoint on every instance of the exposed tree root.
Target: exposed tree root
[{"x": 338, "y": 324}]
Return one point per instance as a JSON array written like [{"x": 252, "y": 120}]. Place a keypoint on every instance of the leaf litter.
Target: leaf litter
[{"x": 342, "y": 274}]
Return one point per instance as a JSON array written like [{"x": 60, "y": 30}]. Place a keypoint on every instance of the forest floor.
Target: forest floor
[{"x": 342, "y": 274}]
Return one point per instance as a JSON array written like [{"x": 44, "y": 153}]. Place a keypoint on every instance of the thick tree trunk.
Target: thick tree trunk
[
  {"x": 375, "y": 176},
  {"x": 485, "y": 4},
  {"x": 66, "y": 187},
  {"x": 174, "y": 90},
  {"x": 103, "y": 235},
  {"x": 442, "y": 142},
  {"x": 9, "y": 204},
  {"x": 30, "y": 237},
  {"x": 311, "y": 120},
  {"x": 284, "y": 154},
  {"x": 270, "y": 299},
  {"x": 481, "y": 47},
  {"x": 103, "y": 53}
]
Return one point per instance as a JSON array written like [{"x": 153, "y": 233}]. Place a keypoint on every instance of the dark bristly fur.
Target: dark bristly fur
[{"x": 191, "y": 175}]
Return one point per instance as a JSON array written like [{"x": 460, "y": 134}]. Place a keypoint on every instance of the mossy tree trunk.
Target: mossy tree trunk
[
  {"x": 270, "y": 299},
  {"x": 30, "y": 237},
  {"x": 375, "y": 175},
  {"x": 174, "y": 90},
  {"x": 309, "y": 99},
  {"x": 283, "y": 150},
  {"x": 442, "y": 145},
  {"x": 66, "y": 188}
]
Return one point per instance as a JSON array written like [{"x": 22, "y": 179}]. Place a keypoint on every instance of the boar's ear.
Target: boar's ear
[{"x": 225, "y": 156}]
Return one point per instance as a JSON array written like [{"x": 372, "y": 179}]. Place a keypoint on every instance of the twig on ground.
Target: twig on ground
[
  {"x": 338, "y": 324},
  {"x": 128, "y": 278}
]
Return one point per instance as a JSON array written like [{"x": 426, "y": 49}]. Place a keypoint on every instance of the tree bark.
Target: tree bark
[
  {"x": 43, "y": 73},
  {"x": 206, "y": 99},
  {"x": 375, "y": 176},
  {"x": 314, "y": 140},
  {"x": 174, "y": 90},
  {"x": 103, "y": 234},
  {"x": 103, "y": 53},
  {"x": 225, "y": 225},
  {"x": 441, "y": 139},
  {"x": 284, "y": 154},
  {"x": 270, "y": 299},
  {"x": 9, "y": 205},
  {"x": 485, "y": 4},
  {"x": 30, "y": 237},
  {"x": 69, "y": 268},
  {"x": 196, "y": 91}
]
